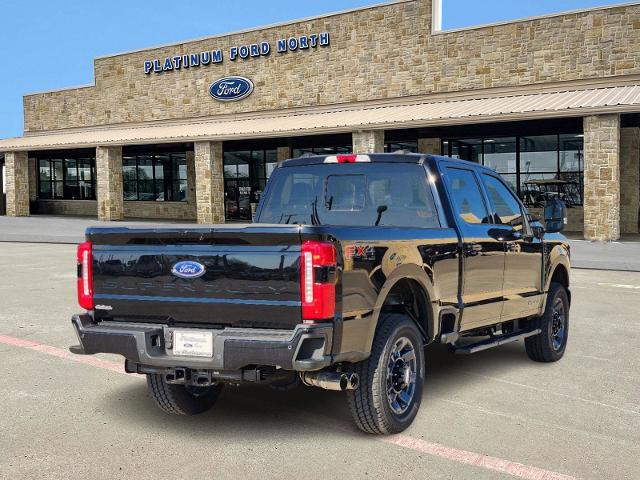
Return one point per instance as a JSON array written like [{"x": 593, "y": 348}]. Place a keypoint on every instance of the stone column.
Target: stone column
[
  {"x": 432, "y": 146},
  {"x": 109, "y": 182},
  {"x": 629, "y": 179},
  {"x": 209, "y": 182},
  {"x": 17, "y": 171},
  {"x": 33, "y": 179},
  {"x": 191, "y": 183},
  {"x": 283, "y": 153},
  {"x": 602, "y": 177},
  {"x": 368, "y": 141}
]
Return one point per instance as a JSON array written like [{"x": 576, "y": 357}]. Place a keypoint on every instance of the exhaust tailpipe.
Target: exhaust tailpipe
[{"x": 338, "y": 382}]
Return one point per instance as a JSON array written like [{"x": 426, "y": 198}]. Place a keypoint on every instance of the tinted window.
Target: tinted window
[
  {"x": 345, "y": 192},
  {"x": 350, "y": 194},
  {"x": 504, "y": 203},
  {"x": 67, "y": 178},
  {"x": 466, "y": 196},
  {"x": 155, "y": 177}
]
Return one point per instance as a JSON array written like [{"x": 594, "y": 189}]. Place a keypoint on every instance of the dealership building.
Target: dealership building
[{"x": 191, "y": 131}]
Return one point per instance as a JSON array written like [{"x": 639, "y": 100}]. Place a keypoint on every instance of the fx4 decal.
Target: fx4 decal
[{"x": 360, "y": 252}]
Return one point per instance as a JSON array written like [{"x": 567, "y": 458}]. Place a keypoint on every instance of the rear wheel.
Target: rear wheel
[
  {"x": 182, "y": 399},
  {"x": 551, "y": 344},
  {"x": 391, "y": 379}
]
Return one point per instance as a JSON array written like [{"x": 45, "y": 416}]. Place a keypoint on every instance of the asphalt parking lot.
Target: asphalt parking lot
[{"x": 492, "y": 415}]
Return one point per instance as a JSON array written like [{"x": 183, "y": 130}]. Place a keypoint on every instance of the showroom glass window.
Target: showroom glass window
[
  {"x": 537, "y": 167},
  {"x": 407, "y": 146},
  {"x": 67, "y": 177},
  {"x": 328, "y": 150},
  {"x": 155, "y": 177},
  {"x": 245, "y": 175}
]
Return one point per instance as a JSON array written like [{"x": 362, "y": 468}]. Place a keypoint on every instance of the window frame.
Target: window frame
[
  {"x": 430, "y": 191},
  {"x": 447, "y": 144},
  {"x": 481, "y": 191},
  {"x": 171, "y": 181},
  {"x": 257, "y": 178},
  {"x": 328, "y": 150},
  {"x": 65, "y": 182},
  {"x": 526, "y": 227}
]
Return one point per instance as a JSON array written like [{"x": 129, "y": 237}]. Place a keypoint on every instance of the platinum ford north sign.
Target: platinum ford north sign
[{"x": 243, "y": 52}]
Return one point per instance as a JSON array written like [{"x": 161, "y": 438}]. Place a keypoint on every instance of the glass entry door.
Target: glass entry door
[
  {"x": 238, "y": 199},
  {"x": 245, "y": 176}
]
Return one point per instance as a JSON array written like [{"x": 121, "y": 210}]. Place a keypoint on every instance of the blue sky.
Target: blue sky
[{"x": 49, "y": 44}]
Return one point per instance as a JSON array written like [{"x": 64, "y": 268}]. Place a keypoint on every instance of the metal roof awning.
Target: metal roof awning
[{"x": 577, "y": 102}]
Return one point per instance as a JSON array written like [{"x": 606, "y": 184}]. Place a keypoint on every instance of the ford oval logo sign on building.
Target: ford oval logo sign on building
[
  {"x": 231, "y": 89},
  {"x": 188, "y": 269}
]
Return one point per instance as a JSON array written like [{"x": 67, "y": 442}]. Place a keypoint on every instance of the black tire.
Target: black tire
[
  {"x": 182, "y": 400},
  {"x": 371, "y": 403},
  {"x": 551, "y": 344}
]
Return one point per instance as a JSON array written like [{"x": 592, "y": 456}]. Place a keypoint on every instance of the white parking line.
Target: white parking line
[
  {"x": 435, "y": 449},
  {"x": 552, "y": 392},
  {"x": 619, "y": 285}
]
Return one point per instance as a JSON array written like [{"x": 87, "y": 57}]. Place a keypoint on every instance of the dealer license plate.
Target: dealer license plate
[{"x": 187, "y": 343}]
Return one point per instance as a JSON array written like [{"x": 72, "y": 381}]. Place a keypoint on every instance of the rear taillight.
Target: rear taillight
[
  {"x": 317, "y": 278},
  {"x": 85, "y": 276}
]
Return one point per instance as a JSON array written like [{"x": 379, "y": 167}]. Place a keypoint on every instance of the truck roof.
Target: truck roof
[{"x": 417, "y": 158}]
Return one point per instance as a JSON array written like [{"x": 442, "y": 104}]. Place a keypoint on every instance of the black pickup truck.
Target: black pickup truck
[{"x": 354, "y": 264}]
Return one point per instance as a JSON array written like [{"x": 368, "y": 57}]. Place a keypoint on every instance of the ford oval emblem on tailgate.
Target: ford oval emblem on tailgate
[
  {"x": 188, "y": 269},
  {"x": 229, "y": 89}
]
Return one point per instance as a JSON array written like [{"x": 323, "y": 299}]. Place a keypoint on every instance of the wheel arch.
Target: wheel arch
[
  {"x": 409, "y": 283},
  {"x": 558, "y": 272}
]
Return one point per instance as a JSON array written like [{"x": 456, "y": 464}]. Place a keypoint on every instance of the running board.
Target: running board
[{"x": 494, "y": 342}]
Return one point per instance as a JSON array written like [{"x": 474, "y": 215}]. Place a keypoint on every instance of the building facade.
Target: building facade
[{"x": 192, "y": 131}]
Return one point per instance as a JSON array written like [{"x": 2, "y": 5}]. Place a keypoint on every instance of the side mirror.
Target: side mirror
[{"x": 555, "y": 215}]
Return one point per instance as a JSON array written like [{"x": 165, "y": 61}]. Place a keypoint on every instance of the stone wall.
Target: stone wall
[
  {"x": 161, "y": 210},
  {"x": 109, "y": 183},
  {"x": 430, "y": 145},
  {"x": 375, "y": 53},
  {"x": 283, "y": 153},
  {"x": 629, "y": 179},
  {"x": 602, "y": 177},
  {"x": 17, "y": 173},
  {"x": 209, "y": 182},
  {"x": 84, "y": 208},
  {"x": 368, "y": 141}
]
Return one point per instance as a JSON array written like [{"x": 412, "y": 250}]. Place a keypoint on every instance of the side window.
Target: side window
[
  {"x": 467, "y": 198},
  {"x": 505, "y": 206}
]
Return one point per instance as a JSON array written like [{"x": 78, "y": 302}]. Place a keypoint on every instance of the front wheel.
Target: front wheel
[
  {"x": 551, "y": 343},
  {"x": 391, "y": 379},
  {"x": 182, "y": 399}
]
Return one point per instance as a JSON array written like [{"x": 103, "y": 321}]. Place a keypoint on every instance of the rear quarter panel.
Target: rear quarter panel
[{"x": 373, "y": 260}]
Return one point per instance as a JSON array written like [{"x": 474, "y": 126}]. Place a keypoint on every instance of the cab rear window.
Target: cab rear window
[{"x": 389, "y": 195}]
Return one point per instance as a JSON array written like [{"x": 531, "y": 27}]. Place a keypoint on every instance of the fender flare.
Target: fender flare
[
  {"x": 417, "y": 274},
  {"x": 558, "y": 258}
]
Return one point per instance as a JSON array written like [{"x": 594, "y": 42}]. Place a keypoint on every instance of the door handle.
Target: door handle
[{"x": 474, "y": 249}]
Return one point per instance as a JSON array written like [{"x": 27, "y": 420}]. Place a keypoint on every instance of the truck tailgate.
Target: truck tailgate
[{"x": 251, "y": 275}]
